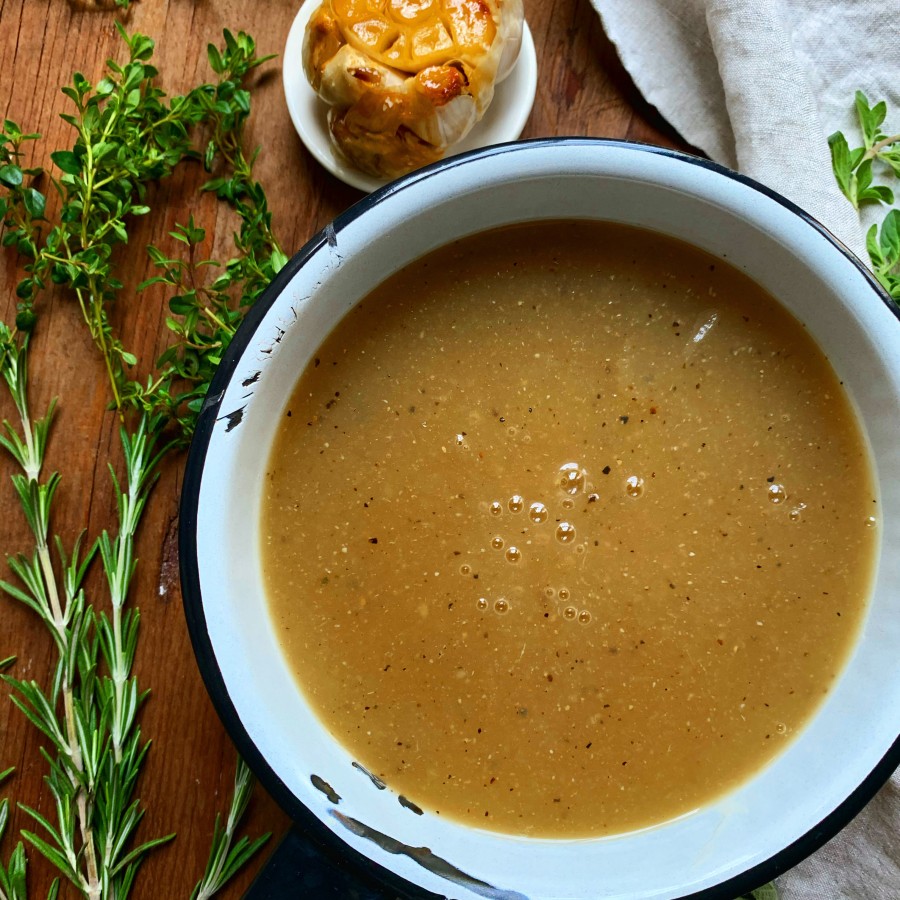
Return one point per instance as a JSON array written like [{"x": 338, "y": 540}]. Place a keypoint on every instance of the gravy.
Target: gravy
[{"x": 568, "y": 530}]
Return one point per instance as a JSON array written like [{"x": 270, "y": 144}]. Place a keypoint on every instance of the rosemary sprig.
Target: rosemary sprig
[
  {"x": 118, "y": 637},
  {"x": 12, "y": 876},
  {"x": 853, "y": 170},
  {"x": 227, "y": 857},
  {"x": 95, "y": 738}
]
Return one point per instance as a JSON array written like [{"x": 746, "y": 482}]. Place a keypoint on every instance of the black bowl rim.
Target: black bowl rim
[{"x": 329, "y": 842}]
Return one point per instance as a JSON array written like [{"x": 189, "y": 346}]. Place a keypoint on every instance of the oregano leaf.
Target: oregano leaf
[
  {"x": 840, "y": 162},
  {"x": 766, "y": 892},
  {"x": 889, "y": 239},
  {"x": 892, "y": 158},
  {"x": 880, "y": 192},
  {"x": 873, "y": 247},
  {"x": 870, "y": 118}
]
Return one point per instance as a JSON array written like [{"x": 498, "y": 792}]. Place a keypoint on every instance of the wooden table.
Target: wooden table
[{"x": 582, "y": 90}]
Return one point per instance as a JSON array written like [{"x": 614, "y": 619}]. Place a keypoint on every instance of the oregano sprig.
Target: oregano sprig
[
  {"x": 883, "y": 247},
  {"x": 853, "y": 170}
]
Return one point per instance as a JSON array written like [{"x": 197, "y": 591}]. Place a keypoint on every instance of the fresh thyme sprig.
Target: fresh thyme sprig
[
  {"x": 206, "y": 315},
  {"x": 128, "y": 135},
  {"x": 21, "y": 209},
  {"x": 853, "y": 170},
  {"x": 104, "y": 181}
]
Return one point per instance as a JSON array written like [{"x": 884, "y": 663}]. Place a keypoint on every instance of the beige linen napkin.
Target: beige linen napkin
[{"x": 759, "y": 85}]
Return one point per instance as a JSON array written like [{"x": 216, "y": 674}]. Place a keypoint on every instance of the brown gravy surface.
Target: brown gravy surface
[{"x": 567, "y": 530}]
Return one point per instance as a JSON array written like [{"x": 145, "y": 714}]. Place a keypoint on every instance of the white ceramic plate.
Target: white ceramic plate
[{"x": 504, "y": 120}]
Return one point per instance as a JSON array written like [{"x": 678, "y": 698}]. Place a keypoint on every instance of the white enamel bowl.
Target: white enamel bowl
[{"x": 790, "y": 808}]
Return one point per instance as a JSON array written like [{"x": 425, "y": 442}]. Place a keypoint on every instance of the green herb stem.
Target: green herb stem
[{"x": 878, "y": 146}]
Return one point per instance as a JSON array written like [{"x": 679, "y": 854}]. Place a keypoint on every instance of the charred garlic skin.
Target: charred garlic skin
[{"x": 406, "y": 79}]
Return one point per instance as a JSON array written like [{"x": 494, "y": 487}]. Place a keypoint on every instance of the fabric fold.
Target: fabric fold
[
  {"x": 724, "y": 72},
  {"x": 769, "y": 101}
]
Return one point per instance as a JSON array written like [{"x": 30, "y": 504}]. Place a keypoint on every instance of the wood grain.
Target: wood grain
[{"x": 582, "y": 90}]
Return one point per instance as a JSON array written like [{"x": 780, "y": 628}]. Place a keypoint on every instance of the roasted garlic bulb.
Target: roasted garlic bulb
[{"x": 406, "y": 79}]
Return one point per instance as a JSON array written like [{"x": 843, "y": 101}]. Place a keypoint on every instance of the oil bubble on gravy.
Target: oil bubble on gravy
[{"x": 567, "y": 530}]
